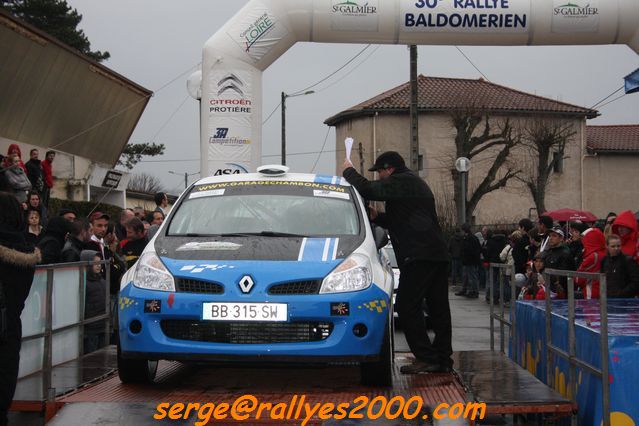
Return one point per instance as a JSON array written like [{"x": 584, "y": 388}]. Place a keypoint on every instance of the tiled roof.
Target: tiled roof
[
  {"x": 622, "y": 138},
  {"x": 446, "y": 94}
]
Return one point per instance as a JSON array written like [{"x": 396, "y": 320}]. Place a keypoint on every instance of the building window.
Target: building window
[{"x": 558, "y": 162}]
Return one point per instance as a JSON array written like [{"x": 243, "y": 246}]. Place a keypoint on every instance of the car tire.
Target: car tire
[
  {"x": 140, "y": 371},
  {"x": 380, "y": 372},
  {"x": 132, "y": 370}
]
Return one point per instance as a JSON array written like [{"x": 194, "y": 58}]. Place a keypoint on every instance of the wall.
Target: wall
[{"x": 611, "y": 183}]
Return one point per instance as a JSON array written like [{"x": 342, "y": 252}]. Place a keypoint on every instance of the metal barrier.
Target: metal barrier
[
  {"x": 571, "y": 355},
  {"x": 504, "y": 270},
  {"x": 49, "y": 330}
]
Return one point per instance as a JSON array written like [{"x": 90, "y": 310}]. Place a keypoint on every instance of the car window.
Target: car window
[{"x": 245, "y": 209}]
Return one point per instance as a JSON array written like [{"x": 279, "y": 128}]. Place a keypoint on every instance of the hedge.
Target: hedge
[{"x": 83, "y": 208}]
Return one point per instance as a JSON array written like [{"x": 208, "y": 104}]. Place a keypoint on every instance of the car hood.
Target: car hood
[{"x": 257, "y": 248}]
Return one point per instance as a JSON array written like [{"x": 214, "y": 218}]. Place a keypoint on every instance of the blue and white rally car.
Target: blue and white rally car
[{"x": 270, "y": 266}]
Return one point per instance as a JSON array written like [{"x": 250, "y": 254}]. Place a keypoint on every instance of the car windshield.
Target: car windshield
[
  {"x": 278, "y": 210},
  {"x": 391, "y": 256}
]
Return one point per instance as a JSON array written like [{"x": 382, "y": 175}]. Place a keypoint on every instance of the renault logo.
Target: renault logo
[{"x": 246, "y": 284}]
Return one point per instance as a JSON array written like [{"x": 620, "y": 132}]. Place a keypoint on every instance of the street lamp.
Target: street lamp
[
  {"x": 186, "y": 177},
  {"x": 462, "y": 164},
  {"x": 284, "y": 96}
]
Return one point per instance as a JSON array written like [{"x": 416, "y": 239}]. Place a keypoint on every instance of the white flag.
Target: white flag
[{"x": 348, "y": 143}]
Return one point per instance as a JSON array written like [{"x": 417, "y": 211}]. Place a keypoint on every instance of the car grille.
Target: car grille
[
  {"x": 185, "y": 285},
  {"x": 246, "y": 332},
  {"x": 298, "y": 287}
]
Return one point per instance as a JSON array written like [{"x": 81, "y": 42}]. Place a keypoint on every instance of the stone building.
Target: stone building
[{"x": 382, "y": 123}]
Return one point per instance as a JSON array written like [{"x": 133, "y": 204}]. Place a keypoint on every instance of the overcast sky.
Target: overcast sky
[{"x": 154, "y": 41}]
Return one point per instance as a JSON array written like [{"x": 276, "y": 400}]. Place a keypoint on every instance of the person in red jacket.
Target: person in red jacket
[
  {"x": 626, "y": 227},
  {"x": 14, "y": 149},
  {"x": 47, "y": 171},
  {"x": 594, "y": 244}
]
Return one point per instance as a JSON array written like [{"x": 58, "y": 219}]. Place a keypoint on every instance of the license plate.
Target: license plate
[{"x": 245, "y": 312}]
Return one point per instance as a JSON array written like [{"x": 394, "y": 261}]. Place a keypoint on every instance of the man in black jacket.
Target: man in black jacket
[
  {"x": 622, "y": 273},
  {"x": 521, "y": 250},
  {"x": 454, "y": 250},
  {"x": 471, "y": 262},
  {"x": 557, "y": 256},
  {"x": 34, "y": 171},
  {"x": 421, "y": 252}
]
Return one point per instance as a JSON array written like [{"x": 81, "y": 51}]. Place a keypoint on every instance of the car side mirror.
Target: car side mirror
[{"x": 381, "y": 237}]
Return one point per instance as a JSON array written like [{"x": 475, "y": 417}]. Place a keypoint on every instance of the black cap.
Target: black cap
[
  {"x": 386, "y": 160},
  {"x": 62, "y": 212}
]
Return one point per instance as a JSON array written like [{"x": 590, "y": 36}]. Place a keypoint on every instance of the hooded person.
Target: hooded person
[
  {"x": 16, "y": 179},
  {"x": 594, "y": 251},
  {"x": 625, "y": 225},
  {"x": 13, "y": 149},
  {"x": 53, "y": 239},
  {"x": 17, "y": 266},
  {"x": 95, "y": 302}
]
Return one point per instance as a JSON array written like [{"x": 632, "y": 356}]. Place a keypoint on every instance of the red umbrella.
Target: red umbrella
[{"x": 570, "y": 215}]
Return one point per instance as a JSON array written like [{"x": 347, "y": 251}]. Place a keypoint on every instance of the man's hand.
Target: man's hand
[{"x": 347, "y": 164}]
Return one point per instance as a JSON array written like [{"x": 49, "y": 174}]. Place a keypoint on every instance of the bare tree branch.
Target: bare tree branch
[
  {"x": 145, "y": 183},
  {"x": 546, "y": 140},
  {"x": 469, "y": 143}
]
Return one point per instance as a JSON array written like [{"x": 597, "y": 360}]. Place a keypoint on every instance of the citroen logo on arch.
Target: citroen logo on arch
[
  {"x": 246, "y": 284},
  {"x": 230, "y": 82}
]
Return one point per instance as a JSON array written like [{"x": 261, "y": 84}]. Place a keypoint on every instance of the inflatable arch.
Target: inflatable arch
[{"x": 235, "y": 57}]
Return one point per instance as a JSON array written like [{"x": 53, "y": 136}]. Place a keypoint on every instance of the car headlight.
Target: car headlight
[
  {"x": 353, "y": 274},
  {"x": 151, "y": 274}
]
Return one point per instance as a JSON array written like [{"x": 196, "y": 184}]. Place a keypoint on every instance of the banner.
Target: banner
[
  {"x": 477, "y": 16},
  {"x": 623, "y": 356}
]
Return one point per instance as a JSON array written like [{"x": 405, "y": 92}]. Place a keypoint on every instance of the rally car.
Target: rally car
[{"x": 264, "y": 267}]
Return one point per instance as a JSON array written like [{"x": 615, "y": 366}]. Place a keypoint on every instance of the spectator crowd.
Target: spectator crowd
[
  {"x": 68, "y": 238},
  {"x": 31, "y": 236},
  {"x": 611, "y": 248}
]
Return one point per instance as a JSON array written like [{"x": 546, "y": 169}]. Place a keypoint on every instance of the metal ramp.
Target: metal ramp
[{"x": 506, "y": 388}]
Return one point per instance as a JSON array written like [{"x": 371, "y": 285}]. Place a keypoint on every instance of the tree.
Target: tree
[
  {"x": 146, "y": 183},
  {"x": 56, "y": 18},
  {"x": 546, "y": 141},
  {"x": 133, "y": 153},
  {"x": 470, "y": 141}
]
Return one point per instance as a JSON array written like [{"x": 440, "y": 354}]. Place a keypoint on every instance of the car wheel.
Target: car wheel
[
  {"x": 380, "y": 372},
  {"x": 136, "y": 370}
]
